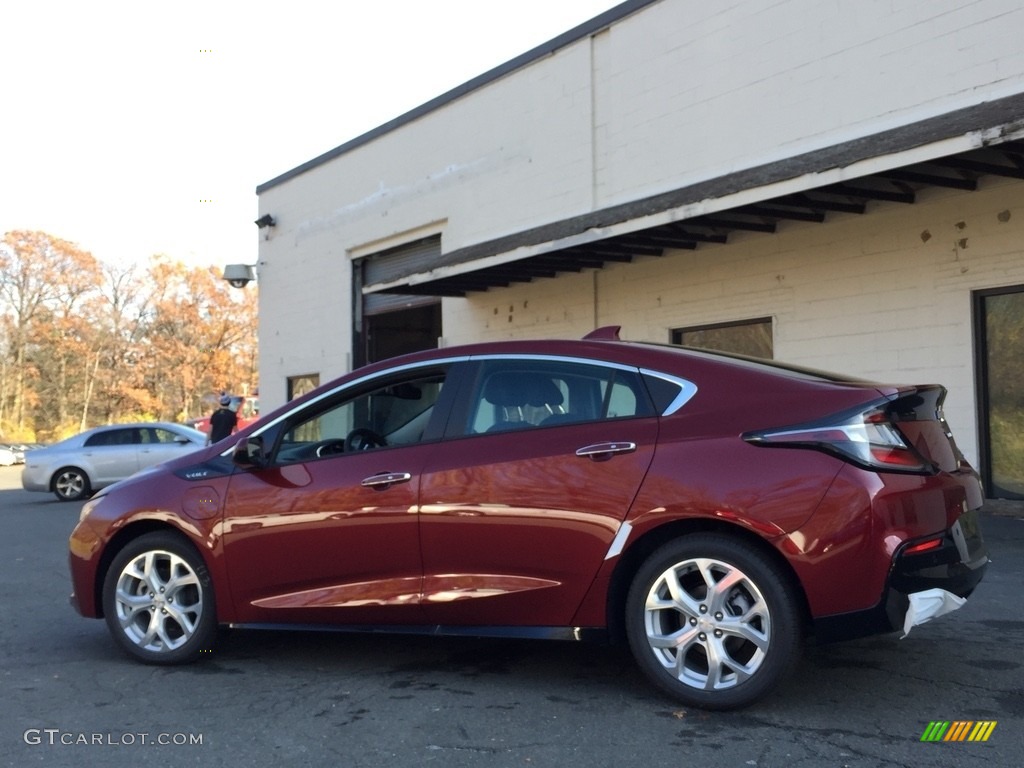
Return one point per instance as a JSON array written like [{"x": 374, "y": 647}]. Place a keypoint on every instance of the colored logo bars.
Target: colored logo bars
[{"x": 958, "y": 730}]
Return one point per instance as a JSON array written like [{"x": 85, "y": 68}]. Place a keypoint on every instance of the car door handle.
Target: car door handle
[
  {"x": 385, "y": 479},
  {"x": 601, "y": 451}
]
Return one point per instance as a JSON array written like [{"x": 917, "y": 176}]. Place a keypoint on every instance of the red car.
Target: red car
[{"x": 716, "y": 511}]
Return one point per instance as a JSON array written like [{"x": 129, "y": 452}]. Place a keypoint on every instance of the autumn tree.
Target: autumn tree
[
  {"x": 84, "y": 343},
  {"x": 41, "y": 277},
  {"x": 201, "y": 337}
]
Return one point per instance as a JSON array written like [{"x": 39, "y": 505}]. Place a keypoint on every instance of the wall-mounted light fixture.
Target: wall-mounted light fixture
[
  {"x": 266, "y": 220},
  {"x": 239, "y": 275}
]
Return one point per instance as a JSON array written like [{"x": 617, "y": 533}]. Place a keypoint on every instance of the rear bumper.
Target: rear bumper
[{"x": 956, "y": 565}]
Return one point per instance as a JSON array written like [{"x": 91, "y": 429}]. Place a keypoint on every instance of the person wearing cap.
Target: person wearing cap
[{"x": 223, "y": 421}]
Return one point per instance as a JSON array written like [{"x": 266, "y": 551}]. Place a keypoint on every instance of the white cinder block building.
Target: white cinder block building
[{"x": 839, "y": 185}]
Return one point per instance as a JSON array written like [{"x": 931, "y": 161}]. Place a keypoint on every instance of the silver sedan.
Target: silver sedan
[{"x": 74, "y": 468}]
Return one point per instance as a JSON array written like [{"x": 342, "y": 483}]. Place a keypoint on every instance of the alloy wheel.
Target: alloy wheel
[
  {"x": 707, "y": 624},
  {"x": 158, "y": 600}
]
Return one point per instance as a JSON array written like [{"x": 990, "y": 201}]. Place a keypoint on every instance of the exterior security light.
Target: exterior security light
[{"x": 239, "y": 275}]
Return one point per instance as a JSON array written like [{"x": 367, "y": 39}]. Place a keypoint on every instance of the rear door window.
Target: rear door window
[
  {"x": 113, "y": 437},
  {"x": 527, "y": 393}
]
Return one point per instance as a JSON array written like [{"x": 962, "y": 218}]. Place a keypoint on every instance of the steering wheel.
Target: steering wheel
[
  {"x": 362, "y": 439},
  {"x": 330, "y": 448}
]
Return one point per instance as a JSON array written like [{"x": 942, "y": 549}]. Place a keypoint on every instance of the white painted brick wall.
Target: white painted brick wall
[{"x": 684, "y": 90}]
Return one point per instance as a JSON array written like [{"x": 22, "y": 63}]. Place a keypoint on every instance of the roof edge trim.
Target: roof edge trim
[
  {"x": 985, "y": 124},
  {"x": 579, "y": 32}
]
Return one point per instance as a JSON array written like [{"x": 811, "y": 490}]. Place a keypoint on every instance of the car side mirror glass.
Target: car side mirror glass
[{"x": 249, "y": 453}]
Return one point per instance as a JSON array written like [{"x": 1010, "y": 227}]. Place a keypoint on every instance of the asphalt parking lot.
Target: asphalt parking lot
[{"x": 291, "y": 698}]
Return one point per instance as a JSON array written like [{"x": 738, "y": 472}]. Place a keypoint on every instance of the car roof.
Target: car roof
[{"x": 134, "y": 425}]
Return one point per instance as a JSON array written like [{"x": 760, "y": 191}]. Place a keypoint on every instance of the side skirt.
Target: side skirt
[{"x": 582, "y": 634}]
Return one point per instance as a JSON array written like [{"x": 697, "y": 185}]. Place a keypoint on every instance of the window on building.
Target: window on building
[
  {"x": 301, "y": 385},
  {"x": 744, "y": 337},
  {"x": 999, "y": 325}
]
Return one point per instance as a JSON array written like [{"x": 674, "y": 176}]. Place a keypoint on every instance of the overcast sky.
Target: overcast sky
[{"x": 134, "y": 128}]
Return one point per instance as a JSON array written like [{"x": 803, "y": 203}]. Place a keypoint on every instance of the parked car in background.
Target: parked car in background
[
  {"x": 8, "y": 455},
  {"x": 712, "y": 510},
  {"x": 74, "y": 468}
]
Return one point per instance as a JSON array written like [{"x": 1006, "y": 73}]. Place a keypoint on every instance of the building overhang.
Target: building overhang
[{"x": 950, "y": 151}]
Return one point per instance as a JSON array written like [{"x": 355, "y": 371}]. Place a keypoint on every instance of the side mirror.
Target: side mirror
[{"x": 249, "y": 453}]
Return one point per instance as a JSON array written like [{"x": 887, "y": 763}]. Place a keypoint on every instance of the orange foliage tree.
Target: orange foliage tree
[{"x": 83, "y": 343}]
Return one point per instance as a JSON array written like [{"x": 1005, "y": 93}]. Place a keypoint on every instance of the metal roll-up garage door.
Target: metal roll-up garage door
[{"x": 394, "y": 264}]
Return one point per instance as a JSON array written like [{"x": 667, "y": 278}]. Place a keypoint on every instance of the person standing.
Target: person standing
[{"x": 223, "y": 421}]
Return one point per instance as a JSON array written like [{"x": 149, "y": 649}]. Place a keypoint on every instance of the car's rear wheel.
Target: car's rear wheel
[
  {"x": 158, "y": 600},
  {"x": 71, "y": 484},
  {"x": 712, "y": 622}
]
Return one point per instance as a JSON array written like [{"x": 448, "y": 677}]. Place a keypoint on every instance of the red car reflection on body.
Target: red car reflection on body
[{"x": 716, "y": 511}]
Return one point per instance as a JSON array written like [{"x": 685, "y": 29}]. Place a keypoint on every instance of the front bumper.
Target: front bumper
[
  {"x": 956, "y": 566},
  {"x": 34, "y": 478},
  {"x": 83, "y": 561}
]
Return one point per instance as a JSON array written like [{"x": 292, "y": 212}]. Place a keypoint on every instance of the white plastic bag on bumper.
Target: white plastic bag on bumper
[{"x": 925, "y": 606}]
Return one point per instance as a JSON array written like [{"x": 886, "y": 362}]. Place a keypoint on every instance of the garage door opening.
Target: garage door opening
[
  {"x": 399, "y": 332},
  {"x": 390, "y": 324}
]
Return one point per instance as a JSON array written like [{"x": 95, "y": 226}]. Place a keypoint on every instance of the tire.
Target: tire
[
  {"x": 71, "y": 484},
  {"x": 712, "y": 622},
  {"x": 158, "y": 600}
]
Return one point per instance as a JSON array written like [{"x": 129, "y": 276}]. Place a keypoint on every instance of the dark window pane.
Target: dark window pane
[{"x": 1004, "y": 335}]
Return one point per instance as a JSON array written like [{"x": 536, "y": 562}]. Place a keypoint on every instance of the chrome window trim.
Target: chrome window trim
[
  {"x": 687, "y": 389},
  {"x": 558, "y": 359}
]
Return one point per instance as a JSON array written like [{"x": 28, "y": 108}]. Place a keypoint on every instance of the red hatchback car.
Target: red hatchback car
[{"x": 713, "y": 510}]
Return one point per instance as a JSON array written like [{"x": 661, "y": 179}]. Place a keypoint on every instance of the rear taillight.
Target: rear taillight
[
  {"x": 868, "y": 438},
  {"x": 928, "y": 545}
]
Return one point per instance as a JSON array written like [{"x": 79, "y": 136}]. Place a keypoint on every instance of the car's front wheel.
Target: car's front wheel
[
  {"x": 71, "y": 484},
  {"x": 158, "y": 600},
  {"x": 712, "y": 622}
]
